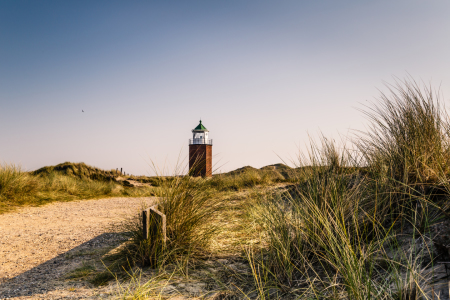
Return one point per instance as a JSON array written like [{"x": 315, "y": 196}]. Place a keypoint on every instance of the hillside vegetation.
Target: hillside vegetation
[
  {"x": 63, "y": 182},
  {"x": 72, "y": 181},
  {"x": 367, "y": 222}
]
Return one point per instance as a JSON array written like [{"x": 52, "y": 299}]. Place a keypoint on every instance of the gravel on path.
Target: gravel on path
[{"x": 39, "y": 245}]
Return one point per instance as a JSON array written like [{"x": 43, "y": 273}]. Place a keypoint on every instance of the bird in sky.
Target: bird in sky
[{"x": 82, "y": 110}]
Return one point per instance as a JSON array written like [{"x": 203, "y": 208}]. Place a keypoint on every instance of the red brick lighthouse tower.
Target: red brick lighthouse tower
[{"x": 200, "y": 152}]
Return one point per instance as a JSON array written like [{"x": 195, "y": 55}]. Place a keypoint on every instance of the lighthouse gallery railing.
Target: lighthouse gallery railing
[{"x": 200, "y": 142}]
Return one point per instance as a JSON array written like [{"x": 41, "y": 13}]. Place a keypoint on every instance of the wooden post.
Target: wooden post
[
  {"x": 154, "y": 224},
  {"x": 158, "y": 223},
  {"x": 145, "y": 223},
  {"x": 154, "y": 231}
]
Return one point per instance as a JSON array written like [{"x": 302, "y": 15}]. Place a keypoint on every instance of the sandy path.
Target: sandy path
[{"x": 38, "y": 245}]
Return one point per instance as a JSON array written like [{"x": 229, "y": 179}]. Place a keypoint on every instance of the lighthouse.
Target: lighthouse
[{"x": 200, "y": 152}]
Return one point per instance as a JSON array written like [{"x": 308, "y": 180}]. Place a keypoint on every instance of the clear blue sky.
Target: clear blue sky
[{"x": 260, "y": 74}]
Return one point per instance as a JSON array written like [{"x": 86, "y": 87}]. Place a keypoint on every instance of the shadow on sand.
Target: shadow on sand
[{"x": 45, "y": 277}]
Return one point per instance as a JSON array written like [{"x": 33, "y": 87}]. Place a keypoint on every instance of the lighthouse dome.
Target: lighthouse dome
[
  {"x": 200, "y": 127},
  {"x": 200, "y": 135}
]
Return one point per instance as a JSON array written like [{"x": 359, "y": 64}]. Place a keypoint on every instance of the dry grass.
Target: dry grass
[
  {"x": 190, "y": 212},
  {"x": 408, "y": 138},
  {"x": 64, "y": 182}
]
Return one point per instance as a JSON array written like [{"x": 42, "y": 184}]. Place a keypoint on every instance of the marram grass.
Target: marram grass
[{"x": 19, "y": 188}]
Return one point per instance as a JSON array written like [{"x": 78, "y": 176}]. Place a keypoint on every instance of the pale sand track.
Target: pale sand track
[{"x": 39, "y": 245}]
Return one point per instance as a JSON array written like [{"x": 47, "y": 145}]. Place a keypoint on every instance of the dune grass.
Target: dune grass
[
  {"x": 16, "y": 186},
  {"x": 190, "y": 210},
  {"x": 336, "y": 234},
  {"x": 341, "y": 224},
  {"x": 408, "y": 137},
  {"x": 247, "y": 178},
  {"x": 64, "y": 182}
]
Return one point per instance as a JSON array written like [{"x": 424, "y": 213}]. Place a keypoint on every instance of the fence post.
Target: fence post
[
  {"x": 154, "y": 224},
  {"x": 145, "y": 223}
]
